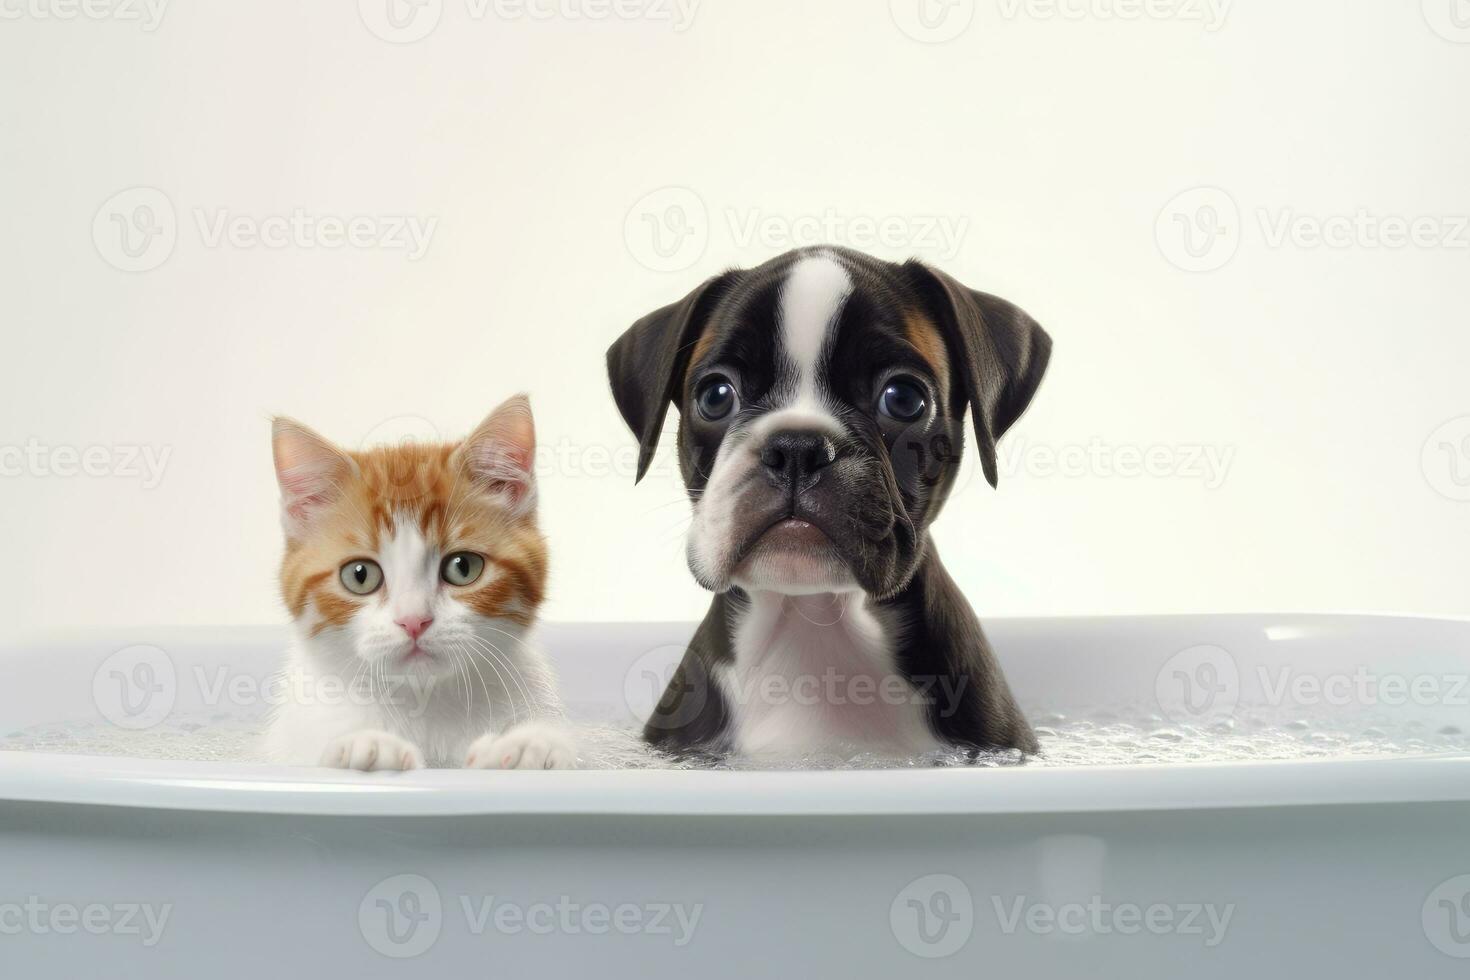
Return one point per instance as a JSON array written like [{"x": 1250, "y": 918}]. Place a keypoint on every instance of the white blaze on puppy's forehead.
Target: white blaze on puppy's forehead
[{"x": 812, "y": 297}]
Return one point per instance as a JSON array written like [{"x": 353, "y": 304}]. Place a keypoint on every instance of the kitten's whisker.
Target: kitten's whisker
[
  {"x": 461, "y": 679},
  {"x": 489, "y": 701},
  {"x": 391, "y": 690},
  {"x": 532, "y": 702},
  {"x": 478, "y": 648},
  {"x": 514, "y": 714},
  {"x": 664, "y": 505}
]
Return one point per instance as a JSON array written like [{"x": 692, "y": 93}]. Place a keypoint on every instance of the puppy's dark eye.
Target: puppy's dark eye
[
  {"x": 903, "y": 400},
  {"x": 716, "y": 399}
]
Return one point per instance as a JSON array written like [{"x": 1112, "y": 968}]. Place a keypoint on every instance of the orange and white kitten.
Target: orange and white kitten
[{"x": 413, "y": 574}]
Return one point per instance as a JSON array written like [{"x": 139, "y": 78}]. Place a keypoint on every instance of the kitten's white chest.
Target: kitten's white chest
[{"x": 817, "y": 674}]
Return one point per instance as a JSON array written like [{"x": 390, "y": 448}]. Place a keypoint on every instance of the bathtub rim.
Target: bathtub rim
[{"x": 35, "y": 777}]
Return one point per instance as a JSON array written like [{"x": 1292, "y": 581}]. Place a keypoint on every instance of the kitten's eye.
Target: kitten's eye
[
  {"x": 903, "y": 400},
  {"x": 716, "y": 398},
  {"x": 462, "y": 568},
  {"x": 361, "y": 577}
]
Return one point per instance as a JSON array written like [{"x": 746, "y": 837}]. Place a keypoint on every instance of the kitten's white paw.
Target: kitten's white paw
[
  {"x": 370, "y": 750},
  {"x": 528, "y": 746}
]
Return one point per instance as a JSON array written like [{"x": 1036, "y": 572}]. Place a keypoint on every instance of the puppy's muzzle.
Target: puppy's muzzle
[{"x": 794, "y": 459}]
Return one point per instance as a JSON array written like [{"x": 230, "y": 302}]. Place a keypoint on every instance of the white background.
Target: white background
[{"x": 548, "y": 151}]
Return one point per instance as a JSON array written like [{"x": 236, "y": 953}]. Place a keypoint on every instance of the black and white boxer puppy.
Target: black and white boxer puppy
[{"x": 821, "y": 423}]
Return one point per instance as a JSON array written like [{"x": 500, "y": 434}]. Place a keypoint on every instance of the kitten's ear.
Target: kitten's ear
[
  {"x": 500, "y": 455},
  {"x": 311, "y": 473}
]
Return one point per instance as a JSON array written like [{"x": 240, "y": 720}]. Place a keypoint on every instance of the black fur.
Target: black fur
[{"x": 877, "y": 506}]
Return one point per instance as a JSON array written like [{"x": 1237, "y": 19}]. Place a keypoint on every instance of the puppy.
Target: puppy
[{"x": 821, "y": 423}]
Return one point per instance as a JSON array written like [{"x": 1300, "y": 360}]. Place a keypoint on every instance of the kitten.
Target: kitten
[{"x": 413, "y": 574}]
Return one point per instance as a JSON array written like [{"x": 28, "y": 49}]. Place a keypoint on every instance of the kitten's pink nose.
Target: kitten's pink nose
[{"x": 414, "y": 626}]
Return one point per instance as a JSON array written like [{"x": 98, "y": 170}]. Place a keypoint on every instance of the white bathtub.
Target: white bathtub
[{"x": 1355, "y": 867}]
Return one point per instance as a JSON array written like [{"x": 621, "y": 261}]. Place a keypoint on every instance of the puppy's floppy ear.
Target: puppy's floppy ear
[
  {"x": 1001, "y": 354},
  {"x": 646, "y": 366}
]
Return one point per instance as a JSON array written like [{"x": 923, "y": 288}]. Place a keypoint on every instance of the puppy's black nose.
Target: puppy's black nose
[{"x": 793, "y": 456}]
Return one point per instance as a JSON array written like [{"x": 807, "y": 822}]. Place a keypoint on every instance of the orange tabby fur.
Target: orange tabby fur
[{"x": 427, "y": 484}]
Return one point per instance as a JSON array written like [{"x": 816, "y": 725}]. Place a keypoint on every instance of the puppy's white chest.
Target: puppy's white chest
[{"x": 816, "y": 674}]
